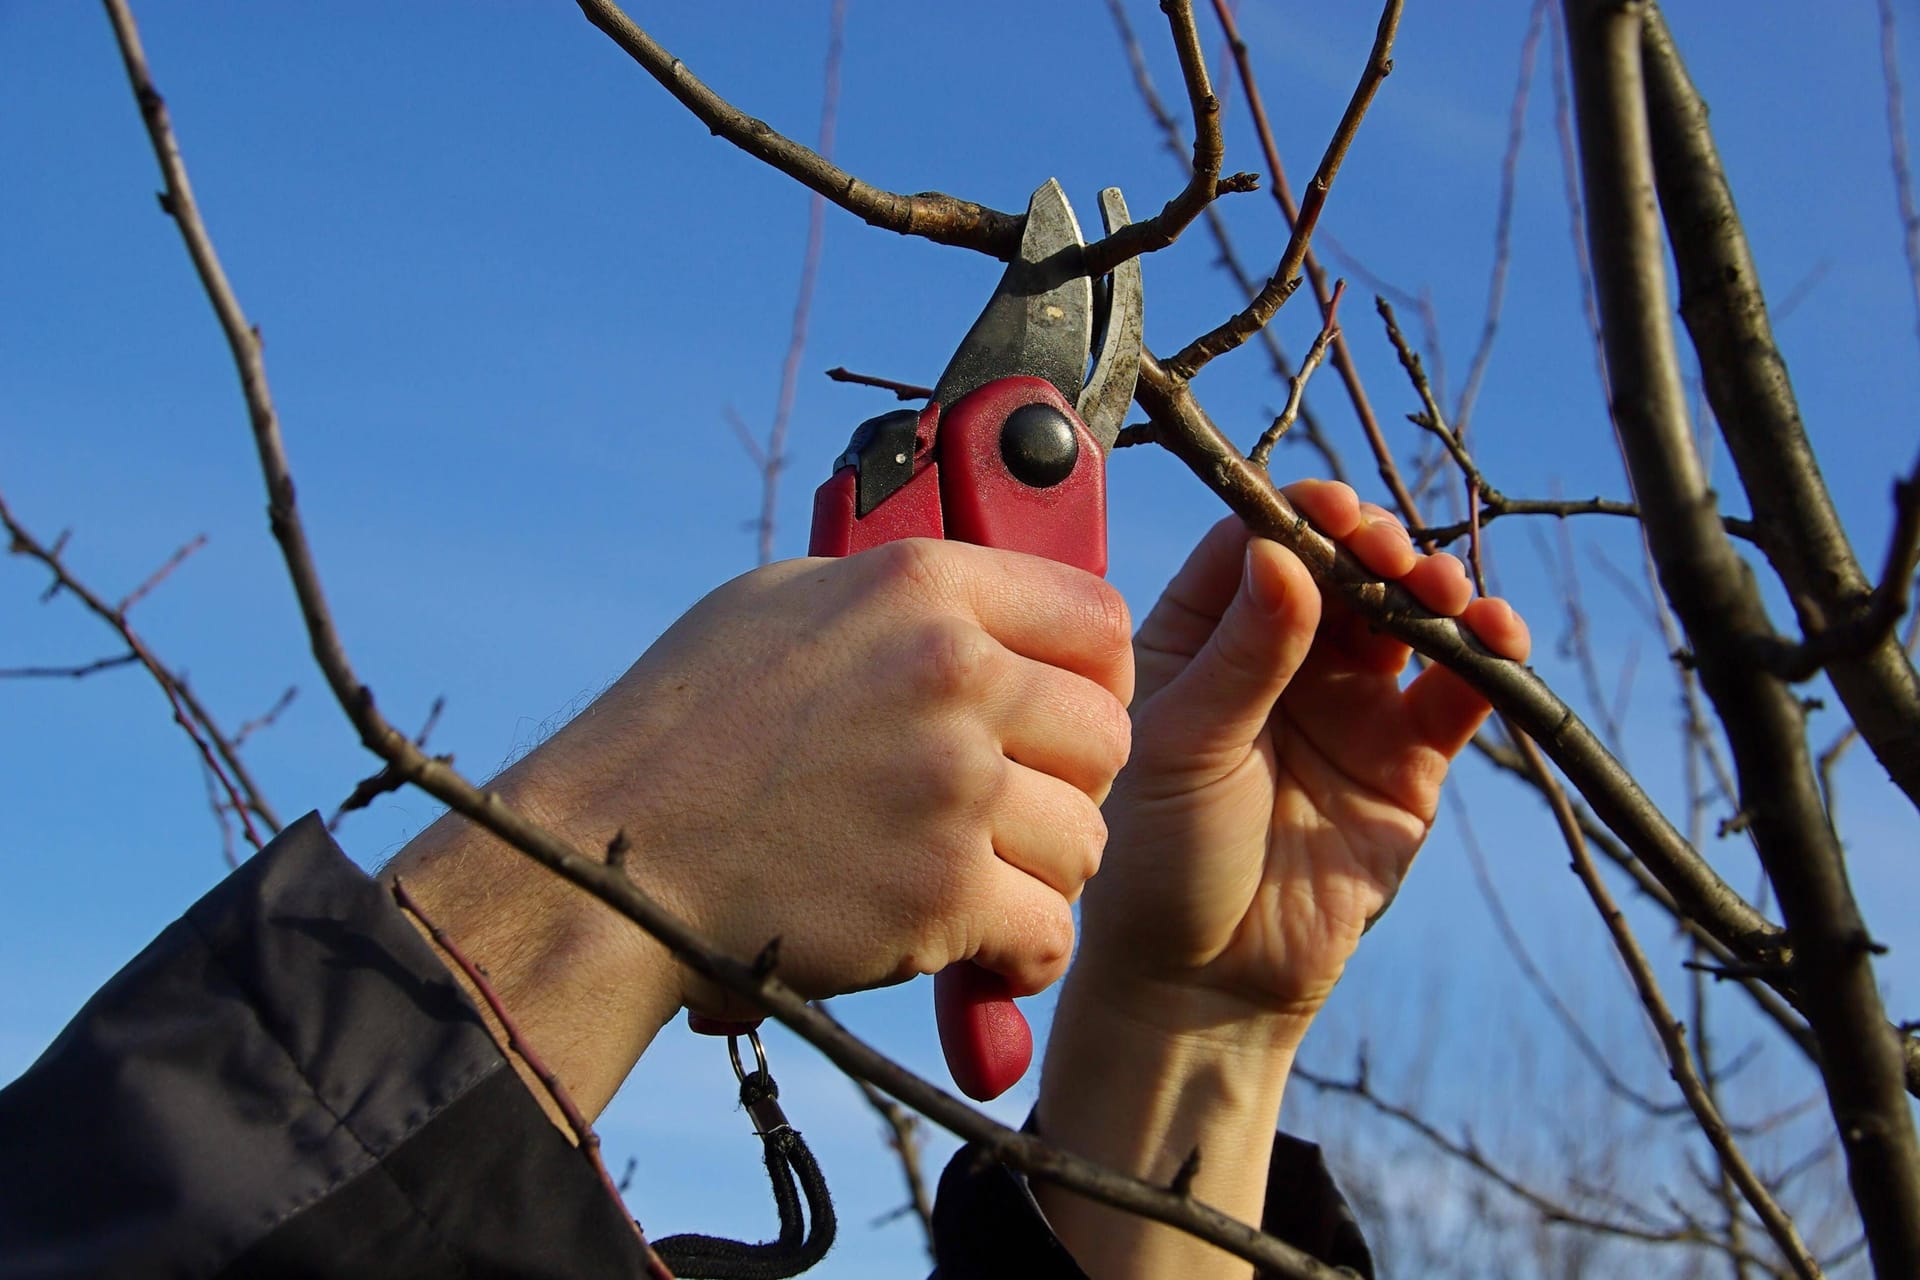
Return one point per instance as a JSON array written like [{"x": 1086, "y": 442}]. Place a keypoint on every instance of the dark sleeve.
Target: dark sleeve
[
  {"x": 287, "y": 1082},
  {"x": 987, "y": 1223}
]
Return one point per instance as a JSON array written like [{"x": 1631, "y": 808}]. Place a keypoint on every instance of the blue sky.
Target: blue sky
[{"x": 509, "y": 290}]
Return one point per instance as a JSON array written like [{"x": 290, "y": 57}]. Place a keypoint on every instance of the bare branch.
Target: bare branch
[
  {"x": 1297, "y": 385},
  {"x": 1510, "y": 937},
  {"x": 941, "y": 218},
  {"x": 73, "y": 673},
  {"x": 1786, "y": 1237},
  {"x": 589, "y": 872},
  {"x": 1468, "y": 1153},
  {"x": 901, "y": 390},
  {"x": 1204, "y": 184},
  {"x": 241, "y": 795},
  {"x": 159, "y": 575},
  {"x": 1503, "y": 221},
  {"x": 1712, "y": 590},
  {"x": 1174, "y": 142},
  {"x": 1492, "y": 508},
  {"x": 266, "y": 718},
  {"x": 1184, "y": 428},
  {"x": 1874, "y": 626},
  {"x": 1897, "y": 141},
  {"x": 1747, "y": 384},
  {"x": 1286, "y": 278}
]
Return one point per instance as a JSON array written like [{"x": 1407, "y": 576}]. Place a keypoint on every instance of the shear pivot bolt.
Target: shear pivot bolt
[{"x": 1039, "y": 445}]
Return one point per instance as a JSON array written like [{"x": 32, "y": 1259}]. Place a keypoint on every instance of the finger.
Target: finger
[
  {"x": 1448, "y": 711},
  {"x": 1217, "y": 706},
  {"x": 1024, "y": 931},
  {"x": 1381, "y": 543},
  {"x": 1190, "y": 607},
  {"x": 1445, "y": 709},
  {"x": 1331, "y": 507},
  {"x": 1048, "y": 830},
  {"x": 1062, "y": 725},
  {"x": 1041, "y": 609},
  {"x": 1440, "y": 583},
  {"x": 1499, "y": 627}
]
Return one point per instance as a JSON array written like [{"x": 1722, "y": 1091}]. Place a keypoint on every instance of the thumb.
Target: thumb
[{"x": 1215, "y": 708}]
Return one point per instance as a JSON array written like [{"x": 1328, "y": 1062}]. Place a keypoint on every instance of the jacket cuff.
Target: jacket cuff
[{"x": 986, "y": 1221}]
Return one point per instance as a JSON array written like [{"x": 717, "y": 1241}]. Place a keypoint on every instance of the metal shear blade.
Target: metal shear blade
[{"x": 1041, "y": 320}]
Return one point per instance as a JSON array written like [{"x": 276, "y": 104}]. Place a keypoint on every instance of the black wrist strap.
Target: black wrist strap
[{"x": 804, "y": 1238}]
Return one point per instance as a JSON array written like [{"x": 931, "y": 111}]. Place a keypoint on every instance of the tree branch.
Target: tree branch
[
  {"x": 1290, "y": 210},
  {"x": 901, "y": 390},
  {"x": 932, "y": 214},
  {"x": 590, "y": 872},
  {"x": 1175, "y": 144},
  {"x": 1297, "y": 385},
  {"x": 238, "y": 791},
  {"x": 1717, "y": 601},
  {"x": 1203, "y": 180},
  {"x": 1746, "y": 383},
  {"x": 1183, "y": 427},
  {"x": 1286, "y": 278}
]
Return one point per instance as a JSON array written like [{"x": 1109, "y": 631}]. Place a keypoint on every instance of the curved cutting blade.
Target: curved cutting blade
[
  {"x": 1039, "y": 322},
  {"x": 1103, "y": 405}
]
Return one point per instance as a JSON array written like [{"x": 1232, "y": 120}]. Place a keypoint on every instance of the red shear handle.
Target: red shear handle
[{"x": 961, "y": 487}]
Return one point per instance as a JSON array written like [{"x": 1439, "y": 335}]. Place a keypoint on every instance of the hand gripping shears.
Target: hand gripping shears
[{"x": 1010, "y": 452}]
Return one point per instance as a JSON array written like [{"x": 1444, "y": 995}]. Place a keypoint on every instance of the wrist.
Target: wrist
[
  {"x": 587, "y": 988},
  {"x": 1188, "y": 1017},
  {"x": 1140, "y": 1090}
]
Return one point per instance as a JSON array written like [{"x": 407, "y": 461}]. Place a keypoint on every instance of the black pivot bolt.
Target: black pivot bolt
[{"x": 1039, "y": 445}]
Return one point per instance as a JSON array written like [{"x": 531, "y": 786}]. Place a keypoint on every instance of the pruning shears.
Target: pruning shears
[{"x": 1010, "y": 452}]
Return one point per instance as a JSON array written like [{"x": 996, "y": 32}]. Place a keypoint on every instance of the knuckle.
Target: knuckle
[
  {"x": 1108, "y": 624},
  {"x": 1052, "y": 946},
  {"x": 1090, "y": 846},
  {"x": 951, "y": 658},
  {"x": 918, "y": 566},
  {"x": 1113, "y": 733},
  {"x": 964, "y": 775}
]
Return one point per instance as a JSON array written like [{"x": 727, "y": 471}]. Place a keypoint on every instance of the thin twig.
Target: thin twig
[
  {"x": 773, "y": 458},
  {"x": 1897, "y": 143},
  {"x": 901, "y": 390},
  {"x": 241, "y": 795},
  {"x": 1503, "y": 221},
  {"x": 1672, "y": 1035},
  {"x": 938, "y": 217},
  {"x": 266, "y": 718},
  {"x": 1286, "y": 277},
  {"x": 1204, "y": 183},
  {"x": 1291, "y": 211},
  {"x": 1468, "y": 1153},
  {"x": 1492, "y": 508},
  {"x": 1297, "y": 385},
  {"x": 1523, "y": 959},
  {"x": 72, "y": 673},
  {"x": 160, "y": 575},
  {"x": 1173, "y": 141}
]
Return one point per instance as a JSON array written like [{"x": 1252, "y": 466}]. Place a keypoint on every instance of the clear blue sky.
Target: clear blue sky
[{"x": 509, "y": 289}]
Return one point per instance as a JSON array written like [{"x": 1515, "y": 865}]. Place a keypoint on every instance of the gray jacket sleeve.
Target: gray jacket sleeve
[{"x": 287, "y": 1082}]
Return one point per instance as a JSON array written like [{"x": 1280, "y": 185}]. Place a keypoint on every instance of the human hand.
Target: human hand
[
  {"x": 1282, "y": 779},
  {"x": 891, "y": 762}
]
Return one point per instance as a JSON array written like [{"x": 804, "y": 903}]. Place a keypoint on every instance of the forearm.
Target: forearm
[
  {"x": 586, "y": 988},
  {"x": 1139, "y": 1092}
]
